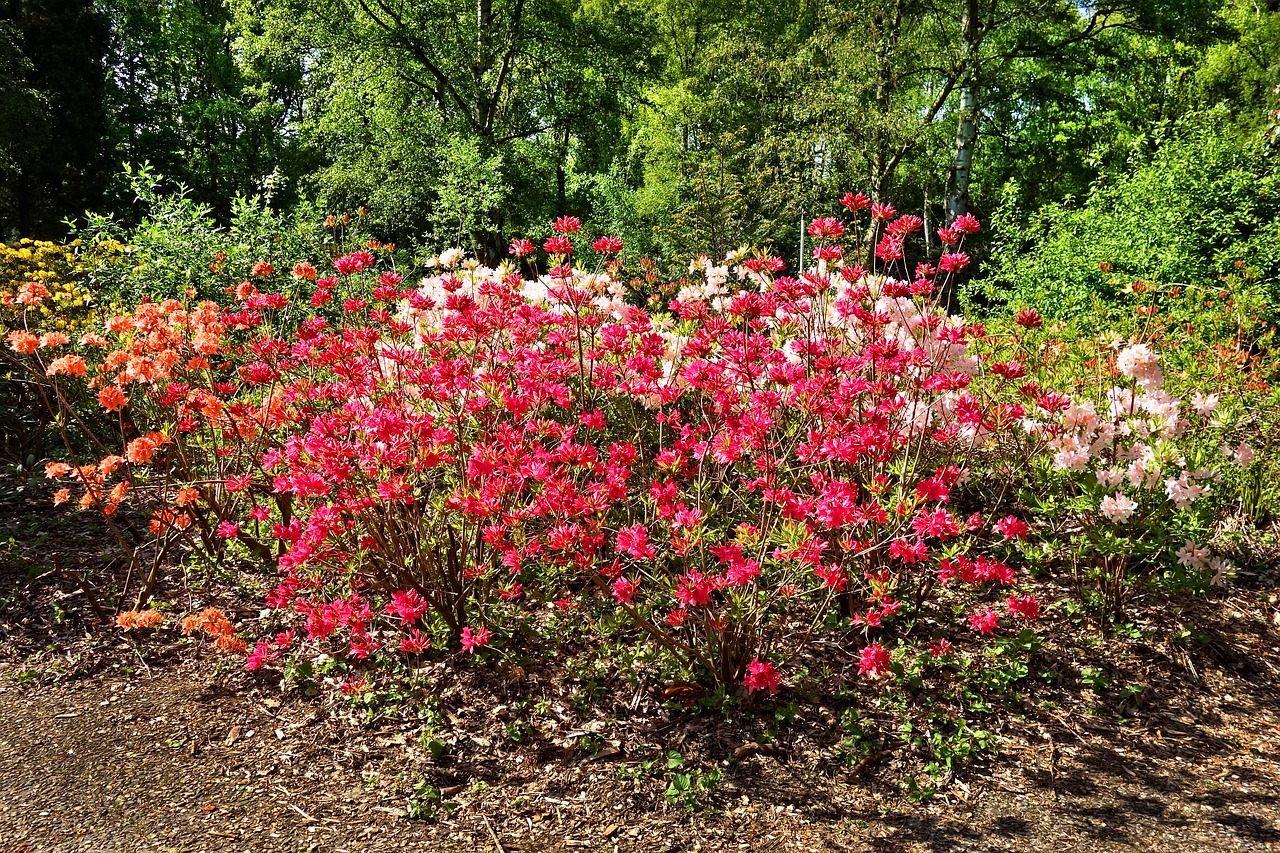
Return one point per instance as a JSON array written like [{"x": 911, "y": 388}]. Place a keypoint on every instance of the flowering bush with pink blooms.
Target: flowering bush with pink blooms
[
  {"x": 1143, "y": 467},
  {"x": 764, "y": 464}
]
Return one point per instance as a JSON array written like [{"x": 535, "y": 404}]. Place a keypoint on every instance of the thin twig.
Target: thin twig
[
  {"x": 496, "y": 843},
  {"x": 80, "y": 582}
]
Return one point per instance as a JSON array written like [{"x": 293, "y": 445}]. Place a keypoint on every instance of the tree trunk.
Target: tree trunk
[{"x": 967, "y": 125}]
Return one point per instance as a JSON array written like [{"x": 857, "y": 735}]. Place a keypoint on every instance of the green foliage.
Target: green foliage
[
  {"x": 426, "y": 803},
  {"x": 179, "y": 245},
  {"x": 1200, "y": 204},
  {"x": 180, "y": 98},
  {"x": 692, "y": 788},
  {"x": 1241, "y": 72},
  {"x": 452, "y": 122}
]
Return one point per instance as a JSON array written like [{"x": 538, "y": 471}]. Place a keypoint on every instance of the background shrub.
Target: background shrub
[{"x": 1200, "y": 204}]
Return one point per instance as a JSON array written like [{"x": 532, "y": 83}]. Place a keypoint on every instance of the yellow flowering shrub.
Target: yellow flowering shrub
[{"x": 63, "y": 270}]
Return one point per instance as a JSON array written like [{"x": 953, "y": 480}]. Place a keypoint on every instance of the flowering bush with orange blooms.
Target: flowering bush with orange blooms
[{"x": 764, "y": 466}]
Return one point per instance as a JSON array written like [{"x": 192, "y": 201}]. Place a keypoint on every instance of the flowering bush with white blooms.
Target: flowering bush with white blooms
[{"x": 1136, "y": 467}]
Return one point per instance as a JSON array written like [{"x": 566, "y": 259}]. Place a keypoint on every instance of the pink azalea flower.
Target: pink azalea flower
[
  {"x": 624, "y": 590},
  {"x": 1025, "y": 606},
  {"x": 634, "y": 540},
  {"x": 984, "y": 621},
  {"x": 762, "y": 675},
  {"x": 473, "y": 639},
  {"x": 874, "y": 661},
  {"x": 1011, "y": 527}
]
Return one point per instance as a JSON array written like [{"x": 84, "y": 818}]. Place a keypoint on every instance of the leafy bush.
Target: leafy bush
[
  {"x": 179, "y": 251},
  {"x": 1200, "y": 204}
]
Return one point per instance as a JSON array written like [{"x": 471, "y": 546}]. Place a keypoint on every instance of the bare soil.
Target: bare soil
[{"x": 111, "y": 743}]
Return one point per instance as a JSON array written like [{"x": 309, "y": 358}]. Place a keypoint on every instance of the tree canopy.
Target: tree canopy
[{"x": 685, "y": 126}]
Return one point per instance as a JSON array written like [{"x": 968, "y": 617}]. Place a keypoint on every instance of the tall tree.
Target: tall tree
[
  {"x": 181, "y": 99},
  {"x": 507, "y": 103},
  {"x": 53, "y": 80}
]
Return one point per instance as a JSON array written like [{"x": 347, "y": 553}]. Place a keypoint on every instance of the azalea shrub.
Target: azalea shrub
[
  {"x": 64, "y": 273},
  {"x": 757, "y": 462},
  {"x": 1134, "y": 475},
  {"x": 1174, "y": 412}
]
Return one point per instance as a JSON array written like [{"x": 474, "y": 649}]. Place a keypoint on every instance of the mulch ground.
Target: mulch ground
[{"x": 107, "y": 744}]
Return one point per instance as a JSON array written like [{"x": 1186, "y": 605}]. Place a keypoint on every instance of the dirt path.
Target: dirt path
[{"x": 179, "y": 762}]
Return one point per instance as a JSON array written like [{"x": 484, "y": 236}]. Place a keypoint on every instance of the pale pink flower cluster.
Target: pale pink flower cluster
[
  {"x": 1193, "y": 555},
  {"x": 1221, "y": 569},
  {"x": 1202, "y": 405},
  {"x": 715, "y": 275},
  {"x": 1242, "y": 455},
  {"x": 1152, "y": 416},
  {"x": 1162, "y": 414},
  {"x": 1140, "y": 364},
  {"x": 1119, "y": 507},
  {"x": 1109, "y": 478},
  {"x": 1183, "y": 491},
  {"x": 1144, "y": 468},
  {"x": 1072, "y": 453}
]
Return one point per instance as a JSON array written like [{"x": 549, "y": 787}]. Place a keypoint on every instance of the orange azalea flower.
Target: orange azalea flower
[
  {"x": 132, "y": 620},
  {"x": 109, "y": 464},
  {"x": 262, "y": 269},
  {"x": 245, "y": 289},
  {"x": 142, "y": 369},
  {"x": 112, "y": 399},
  {"x": 32, "y": 293},
  {"x": 61, "y": 496},
  {"x": 211, "y": 408},
  {"x": 119, "y": 325},
  {"x": 206, "y": 341},
  {"x": 54, "y": 470},
  {"x": 188, "y": 495},
  {"x": 206, "y": 312},
  {"x": 215, "y": 623},
  {"x": 23, "y": 342},
  {"x": 70, "y": 365},
  {"x": 305, "y": 271},
  {"x": 140, "y": 450},
  {"x": 53, "y": 339},
  {"x": 115, "y": 360},
  {"x": 93, "y": 339},
  {"x": 87, "y": 474},
  {"x": 231, "y": 645}
]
